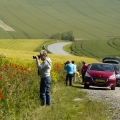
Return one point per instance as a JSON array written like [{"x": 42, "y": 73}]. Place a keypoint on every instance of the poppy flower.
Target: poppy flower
[
  {"x": 0, "y": 92},
  {"x": 1, "y": 96},
  {"x": 1, "y": 77}
]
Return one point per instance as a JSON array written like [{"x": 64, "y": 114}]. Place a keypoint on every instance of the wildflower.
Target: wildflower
[
  {"x": 6, "y": 67},
  {"x": 1, "y": 96},
  {"x": 0, "y": 92},
  {"x": 25, "y": 85},
  {"x": 9, "y": 85},
  {"x": 1, "y": 77},
  {"x": 23, "y": 79},
  {"x": 37, "y": 80},
  {"x": 0, "y": 68}
]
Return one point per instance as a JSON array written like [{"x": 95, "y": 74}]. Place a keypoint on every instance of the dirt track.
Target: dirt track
[
  {"x": 112, "y": 96},
  {"x": 5, "y": 26}
]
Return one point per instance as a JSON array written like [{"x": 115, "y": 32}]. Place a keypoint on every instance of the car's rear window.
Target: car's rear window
[{"x": 102, "y": 67}]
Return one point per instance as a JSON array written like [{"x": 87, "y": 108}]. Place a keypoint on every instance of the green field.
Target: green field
[
  {"x": 82, "y": 48},
  {"x": 36, "y": 19},
  {"x": 96, "y": 49},
  {"x": 23, "y": 45}
]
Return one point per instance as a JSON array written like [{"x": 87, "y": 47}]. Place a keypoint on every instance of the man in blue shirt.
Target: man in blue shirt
[{"x": 69, "y": 67}]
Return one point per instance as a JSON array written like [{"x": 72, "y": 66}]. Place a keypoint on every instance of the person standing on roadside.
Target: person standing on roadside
[
  {"x": 75, "y": 70},
  {"x": 83, "y": 70},
  {"x": 44, "y": 69},
  {"x": 69, "y": 67}
]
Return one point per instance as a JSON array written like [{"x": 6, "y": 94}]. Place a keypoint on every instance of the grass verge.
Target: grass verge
[
  {"x": 70, "y": 103},
  {"x": 67, "y": 48}
]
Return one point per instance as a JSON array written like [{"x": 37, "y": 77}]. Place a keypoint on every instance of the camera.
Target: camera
[
  {"x": 34, "y": 57},
  {"x": 66, "y": 62}
]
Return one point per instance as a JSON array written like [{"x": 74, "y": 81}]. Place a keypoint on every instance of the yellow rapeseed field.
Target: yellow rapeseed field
[{"x": 24, "y": 57}]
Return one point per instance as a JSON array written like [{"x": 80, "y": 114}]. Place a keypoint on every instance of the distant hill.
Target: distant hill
[
  {"x": 35, "y": 19},
  {"x": 96, "y": 49}
]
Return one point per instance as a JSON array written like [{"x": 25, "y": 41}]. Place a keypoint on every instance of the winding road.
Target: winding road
[{"x": 57, "y": 48}]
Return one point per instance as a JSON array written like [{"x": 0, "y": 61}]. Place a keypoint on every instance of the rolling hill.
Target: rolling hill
[
  {"x": 36, "y": 19},
  {"x": 96, "y": 49}
]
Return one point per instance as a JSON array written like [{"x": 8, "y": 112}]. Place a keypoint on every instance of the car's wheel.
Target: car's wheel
[
  {"x": 113, "y": 88},
  {"x": 86, "y": 86}
]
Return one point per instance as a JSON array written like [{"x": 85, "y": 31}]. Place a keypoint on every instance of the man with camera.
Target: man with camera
[
  {"x": 44, "y": 69},
  {"x": 69, "y": 67}
]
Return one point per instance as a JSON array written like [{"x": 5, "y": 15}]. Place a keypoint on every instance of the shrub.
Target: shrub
[{"x": 63, "y": 36}]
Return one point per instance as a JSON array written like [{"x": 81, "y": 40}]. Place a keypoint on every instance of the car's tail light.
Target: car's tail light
[
  {"x": 112, "y": 76},
  {"x": 87, "y": 74}
]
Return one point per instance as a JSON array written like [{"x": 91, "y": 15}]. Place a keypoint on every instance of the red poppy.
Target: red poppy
[
  {"x": 1, "y": 96},
  {"x": 9, "y": 85},
  {"x": 0, "y": 68},
  {"x": 23, "y": 79},
  {"x": 1, "y": 77},
  {"x": 0, "y": 91},
  {"x": 25, "y": 85}
]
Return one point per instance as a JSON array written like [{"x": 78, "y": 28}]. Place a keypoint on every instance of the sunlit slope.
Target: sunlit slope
[
  {"x": 88, "y": 19},
  {"x": 24, "y": 58},
  {"x": 22, "y": 45},
  {"x": 96, "y": 49}
]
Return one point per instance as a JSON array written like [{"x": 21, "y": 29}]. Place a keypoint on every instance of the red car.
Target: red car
[{"x": 100, "y": 75}]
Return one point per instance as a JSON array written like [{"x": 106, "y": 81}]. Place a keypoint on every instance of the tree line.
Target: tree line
[{"x": 63, "y": 36}]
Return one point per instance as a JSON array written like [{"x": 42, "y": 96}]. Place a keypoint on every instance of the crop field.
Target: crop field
[
  {"x": 96, "y": 49},
  {"x": 23, "y": 50},
  {"x": 82, "y": 48},
  {"x": 23, "y": 45},
  {"x": 39, "y": 19}
]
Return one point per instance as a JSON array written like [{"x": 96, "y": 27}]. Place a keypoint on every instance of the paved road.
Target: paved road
[{"x": 57, "y": 48}]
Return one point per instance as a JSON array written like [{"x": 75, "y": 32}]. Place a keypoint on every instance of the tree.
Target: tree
[
  {"x": 63, "y": 36},
  {"x": 56, "y": 36},
  {"x": 67, "y": 36}
]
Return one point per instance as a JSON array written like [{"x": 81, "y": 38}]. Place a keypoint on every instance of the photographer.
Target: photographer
[
  {"x": 44, "y": 72},
  {"x": 69, "y": 67}
]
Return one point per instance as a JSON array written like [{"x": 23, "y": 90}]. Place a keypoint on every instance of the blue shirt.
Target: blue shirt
[{"x": 69, "y": 68}]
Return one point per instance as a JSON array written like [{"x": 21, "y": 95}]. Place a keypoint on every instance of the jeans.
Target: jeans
[
  {"x": 69, "y": 78},
  {"x": 45, "y": 91},
  {"x": 83, "y": 75}
]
